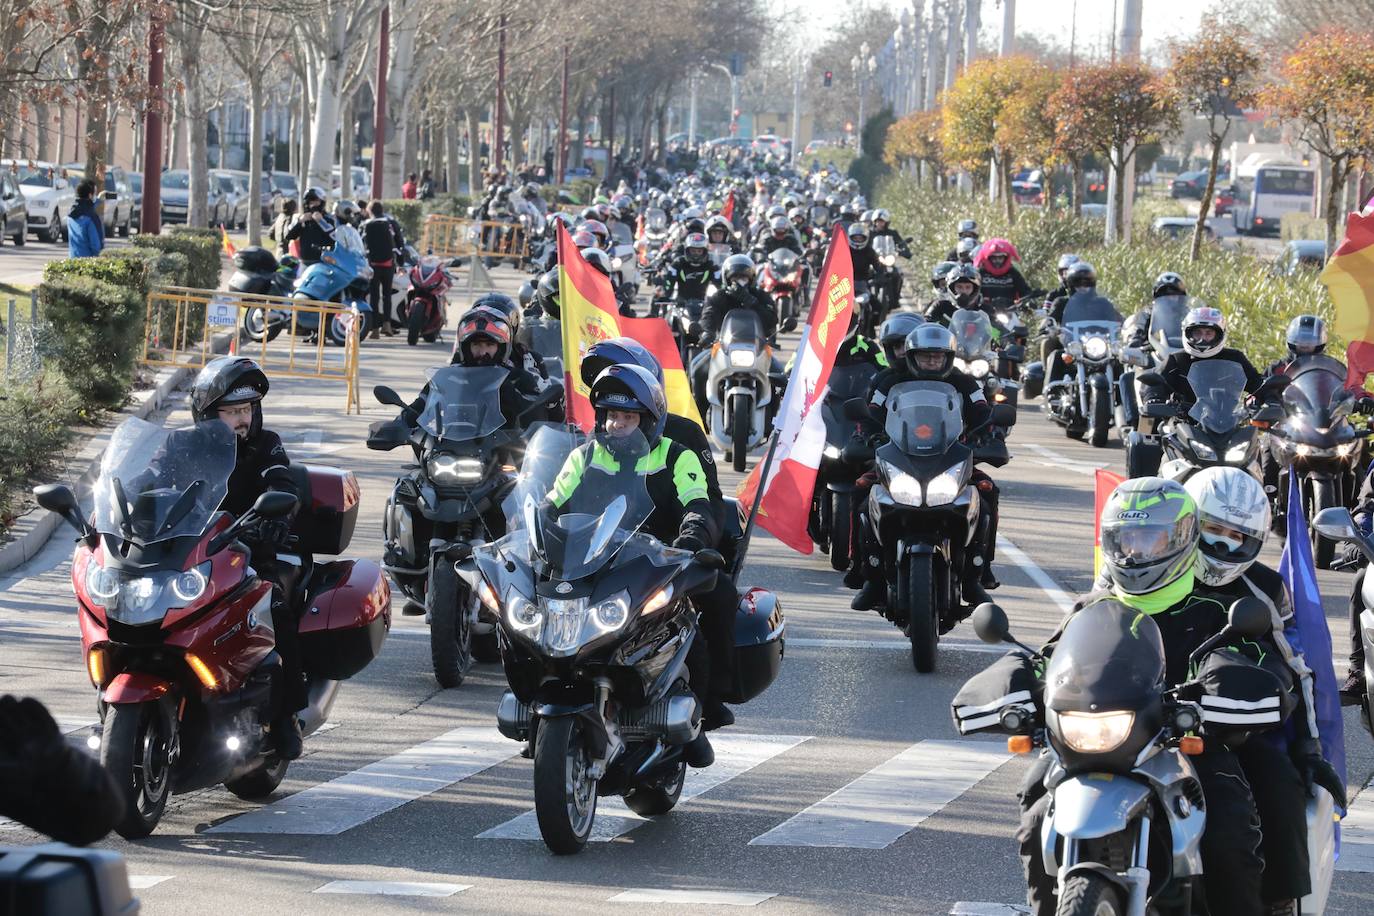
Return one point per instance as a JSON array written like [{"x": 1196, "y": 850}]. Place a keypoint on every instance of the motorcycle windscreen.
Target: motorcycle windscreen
[
  {"x": 1219, "y": 387},
  {"x": 972, "y": 330},
  {"x": 884, "y": 245},
  {"x": 783, "y": 261},
  {"x": 820, "y": 215},
  {"x": 655, "y": 220},
  {"x": 1088, "y": 309},
  {"x": 1109, "y": 657},
  {"x": 543, "y": 336},
  {"x": 156, "y": 483},
  {"x": 463, "y": 402},
  {"x": 1318, "y": 391},
  {"x": 1166, "y": 323},
  {"x": 846, "y": 383},
  {"x": 924, "y": 418},
  {"x": 741, "y": 328},
  {"x": 718, "y": 252}
]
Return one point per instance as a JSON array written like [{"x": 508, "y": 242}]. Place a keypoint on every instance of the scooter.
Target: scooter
[
  {"x": 177, "y": 629},
  {"x": 833, "y": 512},
  {"x": 341, "y": 275}
]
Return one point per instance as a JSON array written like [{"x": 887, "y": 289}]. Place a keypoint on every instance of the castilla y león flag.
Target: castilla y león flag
[
  {"x": 1349, "y": 276},
  {"x": 589, "y": 314},
  {"x": 786, "y": 503}
]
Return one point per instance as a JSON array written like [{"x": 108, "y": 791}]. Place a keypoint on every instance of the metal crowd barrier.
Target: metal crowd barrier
[{"x": 456, "y": 237}]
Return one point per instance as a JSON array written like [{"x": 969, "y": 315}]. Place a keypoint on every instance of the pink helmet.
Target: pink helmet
[{"x": 991, "y": 247}]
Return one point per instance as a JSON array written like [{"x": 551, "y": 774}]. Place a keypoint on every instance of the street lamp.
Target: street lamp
[{"x": 864, "y": 67}]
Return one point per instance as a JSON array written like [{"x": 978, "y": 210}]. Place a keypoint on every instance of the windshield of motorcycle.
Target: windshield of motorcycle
[
  {"x": 347, "y": 238},
  {"x": 578, "y": 501},
  {"x": 972, "y": 330},
  {"x": 1219, "y": 387},
  {"x": 1166, "y": 322},
  {"x": 1318, "y": 389},
  {"x": 1108, "y": 657},
  {"x": 783, "y": 261},
  {"x": 463, "y": 402},
  {"x": 923, "y": 417},
  {"x": 1087, "y": 310},
  {"x": 718, "y": 252},
  {"x": 543, "y": 336},
  {"x": 655, "y": 220},
  {"x": 156, "y": 484},
  {"x": 741, "y": 328},
  {"x": 820, "y": 215},
  {"x": 884, "y": 245}
]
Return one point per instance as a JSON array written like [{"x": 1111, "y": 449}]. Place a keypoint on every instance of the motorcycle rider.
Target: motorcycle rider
[
  {"x": 1306, "y": 336},
  {"x": 938, "y": 273},
  {"x": 1080, "y": 276},
  {"x": 690, "y": 272},
  {"x": 780, "y": 236},
  {"x": 520, "y": 355},
  {"x": 718, "y": 233},
  {"x": 893, "y": 335},
  {"x": 965, "y": 250},
  {"x": 1002, "y": 282},
  {"x": 1166, "y": 284},
  {"x": 930, "y": 357},
  {"x": 1353, "y": 688},
  {"x": 545, "y": 302},
  {"x": 963, "y": 285},
  {"x": 631, "y": 413},
  {"x": 231, "y": 389},
  {"x": 968, "y": 229},
  {"x": 1204, "y": 337},
  {"x": 314, "y": 228},
  {"x": 737, "y": 291},
  {"x": 1150, "y": 533},
  {"x": 485, "y": 338},
  {"x": 1061, "y": 269}
]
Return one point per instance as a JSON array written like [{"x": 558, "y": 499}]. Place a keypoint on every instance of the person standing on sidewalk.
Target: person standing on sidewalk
[
  {"x": 380, "y": 241},
  {"x": 85, "y": 228}
]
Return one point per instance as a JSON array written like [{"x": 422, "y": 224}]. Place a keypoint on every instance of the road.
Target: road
[
  {"x": 23, "y": 267},
  {"x": 844, "y": 788}
]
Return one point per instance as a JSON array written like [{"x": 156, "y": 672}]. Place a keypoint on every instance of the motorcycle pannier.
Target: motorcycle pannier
[
  {"x": 1009, "y": 681},
  {"x": 328, "y": 508},
  {"x": 255, "y": 260},
  {"x": 346, "y": 620},
  {"x": 759, "y": 627}
]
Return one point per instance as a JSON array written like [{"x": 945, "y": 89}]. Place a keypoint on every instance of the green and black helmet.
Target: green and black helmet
[{"x": 1149, "y": 534}]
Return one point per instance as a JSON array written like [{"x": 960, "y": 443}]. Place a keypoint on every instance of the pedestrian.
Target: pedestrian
[
  {"x": 426, "y": 189},
  {"x": 279, "y": 225},
  {"x": 548, "y": 162},
  {"x": 85, "y": 228},
  {"x": 409, "y": 189},
  {"x": 380, "y": 241}
]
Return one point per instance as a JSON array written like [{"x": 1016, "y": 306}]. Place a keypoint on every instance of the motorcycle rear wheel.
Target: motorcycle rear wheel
[
  {"x": 136, "y": 750},
  {"x": 450, "y": 639},
  {"x": 564, "y": 794},
  {"x": 916, "y": 593},
  {"x": 841, "y": 518},
  {"x": 261, "y": 782},
  {"x": 659, "y": 798},
  {"x": 739, "y": 433},
  {"x": 1087, "y": 894}
]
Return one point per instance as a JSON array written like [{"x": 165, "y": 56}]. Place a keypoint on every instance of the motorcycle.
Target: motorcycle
[
  {"x": 924, "y": 511},
  {"x": 425, "y": 311},
  {"x": 974, "y": 355},
  {"x": 739, "y": 386},
  {"x": 1335, "y": 524},
  {"x": 596, "y": 624},
  {"x": 684, "y": 317},
  {"x": 177, "y": 628},
  {"x": 1216, "y": 430},
  {"x": 1011, "y": 334},
  {"x": 782, "y": 279},
  {"x": 544, "y": 336},
  {"x": 1316, "y": 440},
  {"x": 341, "y": 275},
  {"x": 464, "y": 468},
  {"x": 885, "y": 249},
  {"x": 1164, "y": 337},
  {"x": 833, "y": 512},
  {"x": 1081, "y": 396},
  {"x": 1123, "y": 830}
]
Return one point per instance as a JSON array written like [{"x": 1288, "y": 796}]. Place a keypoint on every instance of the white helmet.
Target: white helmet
[
  {"x": 1204, "y": 317},
  {"x": 1233, "y": 513}
]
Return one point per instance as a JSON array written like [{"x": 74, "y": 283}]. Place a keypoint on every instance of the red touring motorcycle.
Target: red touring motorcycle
[
  {"x": 176, "y": 626},
  {"x": 426, "y": 305}
]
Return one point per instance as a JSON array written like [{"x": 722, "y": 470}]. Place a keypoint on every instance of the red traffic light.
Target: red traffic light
[{"x": 828, "y": 77}]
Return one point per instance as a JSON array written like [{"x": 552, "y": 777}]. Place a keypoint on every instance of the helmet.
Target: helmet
[
  {"x": 925, "y": 340},
  {"x": 345, "y": 212},
  {"x": 695, "y": 247},
  {"x": 797, "y": 215},
  {"x": 617, "y": 351},
  {"x": 968, "y": 229},
  {"x": 482, "y": 324},
  {"x": 849, "y": 211},
  {"x": 780, "y": 227},
  {"x": 893, "y": 334},
  {"x": 1306, "y": 336},
  {"x": 1168, "y": 284},
  {"x": 1233, "y": 518},
  {"x": 598, "y": 259},
  {"x": 504, "y": 306},
  {"x": 1080, "y": 275},
  {"x": 1149, "y": 534},
  {"x": 613, "y": 214},
  {"x": 735, "y": 267},
  {"x": 776, "y": 210},
  {"x": 1065, "y": 262},
  {"x": 718, "y": 224},
  {"x": 692, "y": 213},
  {"x": 548, "y": 294},
  {"x": 526, "y": 294},
  {"x": 597, "y": 229},
  {"x": 565, "y": 218},
  {"x": 582, "y": 240},
  {"x": 694, "y": 225},
  {"x": 882, "y": 215},
  {"x": 965, "y": 273},
  {"x": 1000, "y": 249},
  {"x": 589, "y": 213},
  {"x": 1194, "y": 322},
  {"x": 858, "y": 235},
  {"x": 939, "y": 272},
  {"x": 966, "y": 249},
  {"x": 313, "y": 195},
  {"x": 629, "y": 387},
  {"x": 229, "y": 380}
]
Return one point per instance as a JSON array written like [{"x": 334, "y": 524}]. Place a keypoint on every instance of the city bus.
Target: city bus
[{"x": 1274, "y": 188}]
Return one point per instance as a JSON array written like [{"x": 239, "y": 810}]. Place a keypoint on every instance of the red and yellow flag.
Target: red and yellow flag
[
  {"x": 229, "y": 249},
  {"x": 590, "y": 314},
  {"x": 728, "y": 211},
  {"x": 1104, "y": 483},
  {"x": 1349, "y": 277}
]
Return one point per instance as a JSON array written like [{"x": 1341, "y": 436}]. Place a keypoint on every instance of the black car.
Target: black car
[
  {"x": 13, "y": 208},
  {"x": 1188, "y": 184}
]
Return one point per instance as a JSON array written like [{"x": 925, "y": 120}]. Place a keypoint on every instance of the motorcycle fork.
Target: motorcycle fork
[
  {"x": 1082, "y": 391},
  {"x": 1137, "y": 876}
]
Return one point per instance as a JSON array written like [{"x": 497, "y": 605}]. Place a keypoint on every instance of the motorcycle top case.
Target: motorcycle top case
[
  {"x": 1009, "y": 681},
  {"x": 55, "y": 879},
  {"x": 328, "y": 509},
  {"x": 346, "y": 619},
  {"x": 759, "y": 630},
  {"x": 255, "y": 259}
]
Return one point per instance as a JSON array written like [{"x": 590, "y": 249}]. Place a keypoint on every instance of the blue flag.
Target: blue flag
[{"x": 1307, "y": 632}]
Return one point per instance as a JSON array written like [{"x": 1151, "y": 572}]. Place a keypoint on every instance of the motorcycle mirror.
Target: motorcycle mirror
[
  {"x": 1250, "y": 618},
  {"x": 385, "y": 395},
  {"x": 1334, "y": 523},
  {"x": 990, "y": 624},
  {"x": 58, "y": 499},
  {"x": 856, "y": 409},
  {"x": 274, "y": 504},
  {"x": 709, "y": 559}
]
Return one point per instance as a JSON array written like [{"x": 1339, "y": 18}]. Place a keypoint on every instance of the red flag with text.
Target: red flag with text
[{"x": 786, "y": 503}]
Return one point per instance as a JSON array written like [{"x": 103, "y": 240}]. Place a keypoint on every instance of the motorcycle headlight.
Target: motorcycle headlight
[
  {"x": 1096, "y": 348},
  {"x": 446, "y": 468},
  {"x": 101, "y": 584},
  {"x": 615, "y": 263},
  {"x": 1074, "y": 348},
  {"x": 832, "y": 452},
  {"x": 942, "y": 490},
  {"x": 1346, "y": 449},
  {"x": 611, "y": 614},
  {"x": 1203, "y": 450},
  {"x": 979, "y": 368},
  {"x": 1095, "y": 732},
  {"x": 1237, "y": 452},
  {"x": 904, "y": 488},
  {"x": 889, "y": 260},
  {"x": 522, "y": 614},
  {"x": 742, "y": 358},
  {"x": 190, "y": 585},
  {"x": 1312, "y": 451}
]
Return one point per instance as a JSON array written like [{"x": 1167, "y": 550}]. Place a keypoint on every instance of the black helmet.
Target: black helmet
[
  {"x": 965, "y": 273},
  {"x": 618, "y": 351},
  {"x": 1080, "y": 275},
  {"x": 598, "y": 259},
  {"x": 892, "y": 336},
  {"x": 503, "y": 304},
  {"x": 1306, "y": 336},
  {"x": 1168, "y": 284},
  {"x": 736, "y": 266},
  {"x": 924, "y": 341},
  {"x": 526, "y": 294},
  {"x": 313, "y": 195},
  {"x": 1065, "y": 262},
  {"x": 939, "y": 272},
  {"x": 968, "y": 229},
  {"x": 482, "y": 324},
  {"x": 229, "y": 380},
  {"x": 629, "y": 387},
  {"x": 548, "y": 294}
]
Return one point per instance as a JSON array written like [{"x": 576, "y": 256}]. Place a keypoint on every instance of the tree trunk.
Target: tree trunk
[
  {"x": 197, "y": 124},
  {"x": 1008, "y": 200},
  {"x": 1076, "y": 168},
  {"x": 451, "y": 149},
  {"x": 325, "y": 125},
  {"x": 222, "y": 129},
  {"x": 347, "y": 131},
  {"x": 1115, "y": 231},
  {"x": 399, "y": 84},
  {"x": 474, "y": 152},
  {"x": 61, "y": 133},
  {"x": 177, "y": 158},
  {"x": 1339, "y": 169},
  {"x": 44, "y": 146},
  {"x": 1208, "y": 196},
  {"x": 255, "y": 131}
]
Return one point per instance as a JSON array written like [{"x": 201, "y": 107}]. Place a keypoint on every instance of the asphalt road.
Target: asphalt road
[
  {"x": 844, "y": 788},
  {"x": 24, "y": 266}
]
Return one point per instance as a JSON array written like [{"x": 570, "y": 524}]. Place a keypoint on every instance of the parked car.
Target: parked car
[
  {"x": 359, "y": 180},
  {"x": 176, "y": 185},
  {"x": 136, "y": 187},
  {"x": 1188, "y": 184},
  {"x": 1095, "y": 211},
  {"x": 1224, "y": 201},
  {"x": 48, "y": 195},
  {"x": 1297, "y": 255},
  {"x": 269, "y": 198},
  {"x": 118, "y": 204},
  {"x": 1181, "y": 227},
  {"x": 236, "y": 199},
  {"x": 1028, "y": 193},
  {"x": 286, "y": 186},
  {"x": 13, "y": 208}
]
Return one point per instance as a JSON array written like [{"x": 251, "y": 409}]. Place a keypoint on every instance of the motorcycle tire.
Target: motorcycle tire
[
  {"x": 739, "y": 433},
  {"x": 1100, "y": 406},
  {"x": 338, "y": 333},
  {"x": 1076, "y": 432},
  {"x": 415, "y": 324},
  {"x": 135, "y": 749},
  {"x": 255, "y": 324},
  {"x": 657, "y": 798},
  {"x": 431, "y": 338},
  {"x": 841, "y": 517},
  {"x": 450, "y": 638},
  {"x": 564, "y": 795},
  {"x": 1089, "y": 894},
  {"x": 916, "y": 594},
  {"x": 1323, "y": 497},
  {"x": 486, "y": 648},
  {"x": 261, "y": 782}
]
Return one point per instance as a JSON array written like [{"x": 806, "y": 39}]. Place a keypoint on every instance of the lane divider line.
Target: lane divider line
[{"x": 1037, "y": 575}]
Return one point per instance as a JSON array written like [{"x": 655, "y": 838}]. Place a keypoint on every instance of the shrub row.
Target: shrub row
[{"x": 35, "y": 422}]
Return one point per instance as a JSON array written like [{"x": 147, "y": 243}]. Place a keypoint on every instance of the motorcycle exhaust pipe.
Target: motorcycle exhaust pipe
[{"x": 513, "y": 718}]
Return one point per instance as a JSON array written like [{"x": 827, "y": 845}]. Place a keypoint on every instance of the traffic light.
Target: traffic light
[{"x": 828, "y": 77}]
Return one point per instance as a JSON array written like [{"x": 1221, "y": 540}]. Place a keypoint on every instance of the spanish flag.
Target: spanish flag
[
  {"x": 229, "y": 249},
  {"x": 1104, "y": 483},
  {"x": 589, "y": 315},
  {"x": 1349, "y": 277}
]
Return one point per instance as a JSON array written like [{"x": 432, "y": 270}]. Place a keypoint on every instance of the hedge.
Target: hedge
[
  {"x": 35, "y": 423},
  {"x": 97, "y": 330},
  {"x": 410, "y": 214},
  {"x": 162, "y": 268},
  {"x": 128, "y": 272},
  {"x": 200, "y": 247}
]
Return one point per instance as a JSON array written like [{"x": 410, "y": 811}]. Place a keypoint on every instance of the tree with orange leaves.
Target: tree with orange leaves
[{"x": 916, "y": 137}]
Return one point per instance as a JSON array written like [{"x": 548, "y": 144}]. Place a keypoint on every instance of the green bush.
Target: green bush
[
  {"x": 1301, "y": 226},
  {"x": 582, "y": 190},
  {"x": 97, "y": 329},
  {"x": 202, "y": 253},
  {"x": 195, "y": 232},
  {"x": 35, "y": 423},
  {"x": 449, "y": 205},
  {"x": 409, "y": 213},
  {"x": 163, "y": 268},
  {"x": 120, "y": 269}
]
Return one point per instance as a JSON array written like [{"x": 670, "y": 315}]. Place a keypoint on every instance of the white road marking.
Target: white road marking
[
  {"x": 392, "y": 888},
  {"x": 950, "y": 644},
  {"x": 884, "y": 804},
  {"x": 357, "y": 797},
  {"x": 70, "y": 725},
  {"x": 687, "y": 897},
  {"x": 735, "y": 754},
  {"x": 1055, "y": 460},
  {"x": 143, "y": 882},
  {"x": 965, "y": 908},
  {"x": 1037, "y": 575},
  {"x": 1357, "y": 833}
]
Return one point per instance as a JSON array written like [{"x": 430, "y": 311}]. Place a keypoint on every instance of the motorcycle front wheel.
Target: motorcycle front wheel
[
  {"x": 564, "y": 791},
  {"x": 1088, "y": 894},
  {"x": 740, "y": 425},
  {"x": 136, "y": 749},
  {"x": 916, "y": 593},
  {"x": 415, "y": 323},
  {"x": 841, "y": 517},
  {"x": 1101, "y": 409},
  {"x": 450, "y": 638},
  {"x": 1323, "y": 497}
]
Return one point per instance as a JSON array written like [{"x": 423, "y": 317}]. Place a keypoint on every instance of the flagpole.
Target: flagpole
[{"x": 758, "y": 499}]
